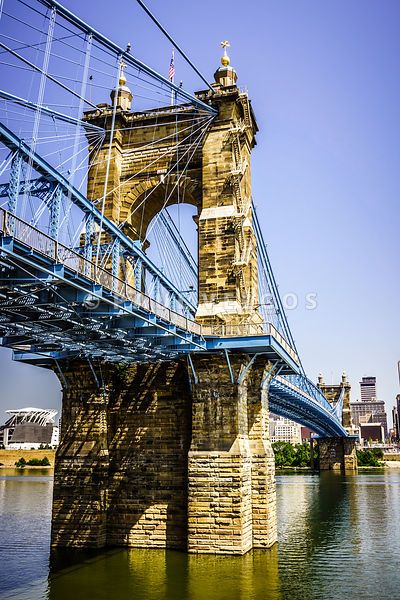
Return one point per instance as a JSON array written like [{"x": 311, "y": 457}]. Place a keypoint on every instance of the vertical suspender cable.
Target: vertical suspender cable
[
  {"x": 42, "y": 87},
  {"x": 79, "y": 116},
  {"x": 109, "y": 156}
]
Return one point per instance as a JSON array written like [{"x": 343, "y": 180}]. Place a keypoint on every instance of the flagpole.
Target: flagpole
[{"x": 172, "y": 72}]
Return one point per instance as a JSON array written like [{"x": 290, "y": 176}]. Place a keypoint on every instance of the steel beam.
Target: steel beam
[
  {"x": 55, "y": 207},
  {"x": 43, "y": 167},
  {"x": 127, "y": 57}
]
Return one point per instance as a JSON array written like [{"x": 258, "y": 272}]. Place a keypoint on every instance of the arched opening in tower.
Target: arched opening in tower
[{"x": 171, "y": 242}]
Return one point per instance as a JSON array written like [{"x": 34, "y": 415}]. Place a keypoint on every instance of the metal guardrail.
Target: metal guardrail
[
  {"x": 249, "y": 329},
  {"x": 13, "y": 226},
  {"x": 26, "y": 233}
]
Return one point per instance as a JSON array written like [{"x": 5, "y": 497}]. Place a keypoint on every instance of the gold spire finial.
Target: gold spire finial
[
  {"x": 225, "y": 60},
  {"x": 121, "y": 95},
  {"x": 122, "y": 78}
]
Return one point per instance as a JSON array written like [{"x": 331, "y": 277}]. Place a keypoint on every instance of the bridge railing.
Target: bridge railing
[
  {"x": 249, "y": 329},
  {"x": 301, "y": 382},
  {"x": 31, "y": 236}
]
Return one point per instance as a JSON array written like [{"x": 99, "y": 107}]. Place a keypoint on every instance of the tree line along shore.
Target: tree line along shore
[
  {"x": 287, "y": 455},
  {"x": 8, "y": 458},
  {"x": 298, "y": 456}
]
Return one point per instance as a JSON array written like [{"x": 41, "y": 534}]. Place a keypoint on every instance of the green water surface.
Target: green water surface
[{"x": 339, "y": 537}]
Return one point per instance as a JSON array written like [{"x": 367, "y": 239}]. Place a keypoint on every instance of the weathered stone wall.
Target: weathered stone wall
[
  {"x": 337, "y": 454},
  {"x": 219, "y": 463},
  {"x": 81, "y": 465},
  {"x": 143, "y": 180},
  {"x": 263, "y": 488},
  {"x": 228, "y": 286},
  {"x": 121, "y": 467},
  {"x": 231, "y": 474},
  {"x": 146, "y": 462},
  {"x": 148, "y": 438},
  {"x": 124, "y": 471}
]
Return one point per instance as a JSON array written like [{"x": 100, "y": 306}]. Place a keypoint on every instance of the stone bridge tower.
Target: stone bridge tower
[
  {"x": 160, "y": 455},
  {"x": 338, "y": 453},
  {"x": 144, "y": 178}
]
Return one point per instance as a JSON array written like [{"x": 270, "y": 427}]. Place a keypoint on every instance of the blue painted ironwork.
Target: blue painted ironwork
[
  {"x": 88, "y": 244},
  {"x": 59, "y": 303},
  {"x": 138, "y": 273},
  {"x": 228, "y": 362},
  {"x": 40, "y": 187},
  {"x": 127, "y": 245},
  {"x": 116, "y": 253},
  {"x": 338, "y": 406},
  {"x": 55, "y": 208},
  {"x": 156, "y": 287},
  {"x": 172, "y": 301},
  {"x": 294, "y": 402},
  {"x": 13, "y": 190},
  {"x": 127, "y": 57},
  {"x": 61, "y": 323},
  {"x": 54, "y": 114}
]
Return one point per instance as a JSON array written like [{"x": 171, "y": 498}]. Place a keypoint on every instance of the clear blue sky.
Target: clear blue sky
[{"x": 324, "y": 81}]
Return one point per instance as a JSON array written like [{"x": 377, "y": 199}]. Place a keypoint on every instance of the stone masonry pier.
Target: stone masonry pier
[
  {"x": 151, "y": 458},
  {"x": 337, "y": 454}
]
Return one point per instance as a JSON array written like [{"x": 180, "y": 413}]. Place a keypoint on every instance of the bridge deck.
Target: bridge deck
[{"x": 55, "y": 303}]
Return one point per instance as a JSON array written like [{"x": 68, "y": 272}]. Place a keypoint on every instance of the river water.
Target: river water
[{"x": 339, "y": 537}]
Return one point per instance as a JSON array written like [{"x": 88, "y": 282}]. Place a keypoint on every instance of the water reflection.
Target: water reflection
[
  {"x": 25, "y": 505},
  {"x": 338, "y": 536},
  {"x": 159, "y": 575}
]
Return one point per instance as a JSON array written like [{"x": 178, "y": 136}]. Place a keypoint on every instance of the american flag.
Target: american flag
[{"x": 171, "y": 72}]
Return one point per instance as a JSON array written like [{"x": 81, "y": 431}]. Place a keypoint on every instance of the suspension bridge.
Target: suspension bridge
[{"x": 104, "y": 166}]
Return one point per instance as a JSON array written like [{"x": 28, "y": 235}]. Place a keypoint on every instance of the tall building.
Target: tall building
[
  {"x": 396, "y": 419},
  {"x": 284, "y": 430},
  {"x": 29, "y": 428},
  {"x": 369, "y": 409},
  {"x": 371, "y": 433},
  {"x": 368, "y": 389}
]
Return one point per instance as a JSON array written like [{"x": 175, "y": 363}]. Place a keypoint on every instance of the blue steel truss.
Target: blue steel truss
[{"x": 54, "y": 178}]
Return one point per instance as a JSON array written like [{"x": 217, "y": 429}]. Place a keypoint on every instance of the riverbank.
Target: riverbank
[
  {"x": 295, "y": 469},
  {"x": 392, "y": 464},
  {"x": 8, "y": 458}
]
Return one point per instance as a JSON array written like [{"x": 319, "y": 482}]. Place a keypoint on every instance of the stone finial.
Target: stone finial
[
  {"x": 344, "y": 377},
  {"x": 320, "y": 378}
]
